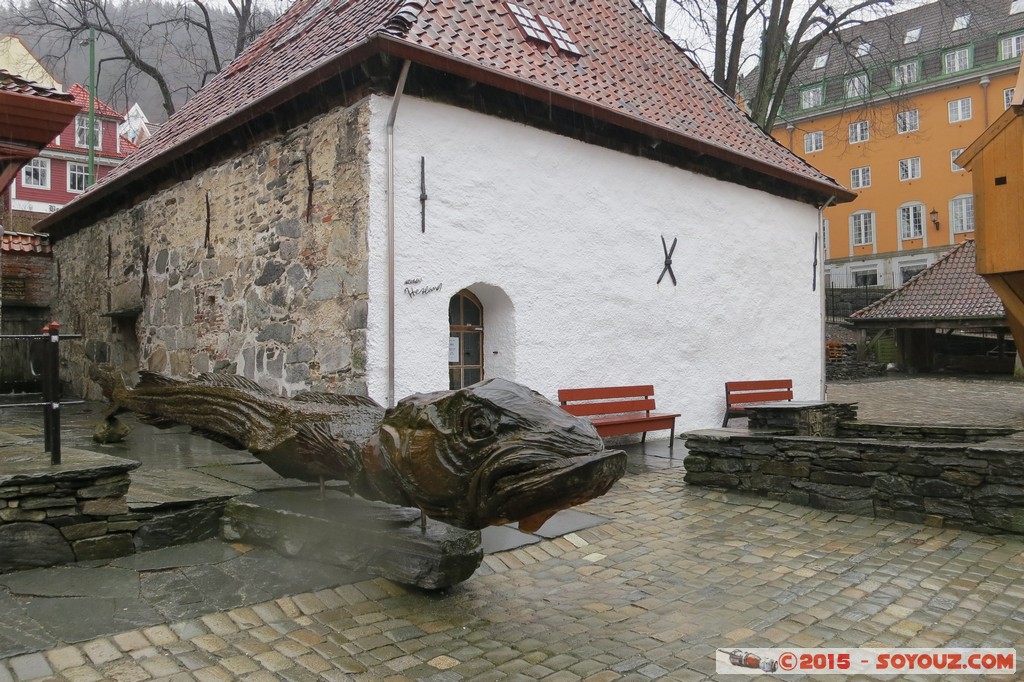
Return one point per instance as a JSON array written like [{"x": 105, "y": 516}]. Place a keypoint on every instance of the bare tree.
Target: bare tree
[
  {"x": 789, "y": 31},
  {"x": 177, "y": 47}
]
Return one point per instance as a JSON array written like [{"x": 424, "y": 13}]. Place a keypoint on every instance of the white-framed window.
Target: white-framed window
[
  {"x": 911, "y": 221},
  {"x": 909, "y": 269},
  {"x": 953, "y": 154},
  {"x": 961, "y": 22},
  {"x": 1011, "y": 47},
  {"x": 857, "y": 86},
  {"x": 904, "y": 74},
  {"x": 36, "y": 173},
  {"x": 821, "y": 61},
  {"x": 910, "y": 169},
  {"x": 859, "y": 132},
  {"x": 865, "y": 278},
  {"x": 912, "y": 35},
  {"x": 814, "y": 142},
  {"x": 957, "y": 60},
  {"x": 78, "y": 177},
  {"x": 860, "y": 177},
  {"x": 1007, "y": 98},
  {"x": 56, "y": 141},
  {"x": 960, "y": 110},
  {"x": 812, "y": 97},
  {"x": 862, "y": 228},
  {"x": 82, "y": 131},
  {"x": 908, "y": 121},
  {"x": 961, "y": 213}
]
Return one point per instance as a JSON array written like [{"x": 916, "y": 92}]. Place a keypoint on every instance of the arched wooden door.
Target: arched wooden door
[{"x": 465, "y": 340}]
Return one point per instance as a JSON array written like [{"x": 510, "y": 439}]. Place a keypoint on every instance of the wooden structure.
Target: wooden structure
[
  {"x": 738, "y": 393},
  {"x": 996, "y": 162},
  {"x": 618, "y": 410}
]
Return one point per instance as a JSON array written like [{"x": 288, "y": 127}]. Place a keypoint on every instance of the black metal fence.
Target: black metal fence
[
  {"x": 44, "y": 359},
  {"x": 841, "y": 301}
]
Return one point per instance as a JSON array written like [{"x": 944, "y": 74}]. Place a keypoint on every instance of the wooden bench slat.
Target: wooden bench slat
[
  {"x": 761, "y": 397},
  {"x": 733, "y": 386},
  {"x": 609, "y": 407},
  {"x": 604, "y": 393}
]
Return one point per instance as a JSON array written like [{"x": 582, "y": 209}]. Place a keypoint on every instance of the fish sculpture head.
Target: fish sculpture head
[{"x": 493, "y": 453}]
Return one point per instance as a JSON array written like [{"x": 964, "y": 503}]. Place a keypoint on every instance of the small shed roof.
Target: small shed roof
[
  {"x": 627, "y": 73},
  {"x": 30, "y": 116},
  {"x": 950, "y": 291}
]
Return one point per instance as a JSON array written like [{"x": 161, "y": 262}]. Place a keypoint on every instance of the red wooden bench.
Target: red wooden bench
[
  {"x": 740, "y": 392},
  {"x": 618, "y": 410}
]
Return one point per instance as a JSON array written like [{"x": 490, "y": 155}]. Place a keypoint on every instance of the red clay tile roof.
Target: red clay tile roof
[
  {"x": 10, "y": 82},
  {"x": 81, "y": 96},
  {"x": 26, "y": 242},
  {"x": 948, "y": 290},
  {"x": 630, "y": 74}
]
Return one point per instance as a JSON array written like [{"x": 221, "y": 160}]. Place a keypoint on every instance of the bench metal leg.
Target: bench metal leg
[
  {"x": 672, "y": 439},
  {"x": 643, "y": 438},
  {"x": 725, "y": 422}
]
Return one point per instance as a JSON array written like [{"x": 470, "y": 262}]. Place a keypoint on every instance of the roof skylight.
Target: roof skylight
[
  {"x": 961, "y": 22},
  {"x": 912, "y": 36},
  {"x": 863, "y": 49},
  {"x": 531, "y": 27},
  {"x": 558, "y": 33},
  {"x": 821, "y": 60},
  {"x": 1017, "y": 6}
]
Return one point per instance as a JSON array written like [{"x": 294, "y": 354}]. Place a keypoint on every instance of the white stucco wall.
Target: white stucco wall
[{"x": 561, "y": 241}]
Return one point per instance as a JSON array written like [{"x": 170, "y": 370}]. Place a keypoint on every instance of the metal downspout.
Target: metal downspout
[
  {"x": 823, "y": 389},
  {"x": 391, "y": 229}
]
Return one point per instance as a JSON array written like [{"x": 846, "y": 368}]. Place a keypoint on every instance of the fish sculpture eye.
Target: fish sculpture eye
[{"x": 480, "y": 423}]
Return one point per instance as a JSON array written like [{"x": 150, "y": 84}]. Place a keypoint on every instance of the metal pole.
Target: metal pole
[
  {"x": 53, "y": 381},
  {"x": 47, "y": 399},
  {"x": 92, "y": 106}
]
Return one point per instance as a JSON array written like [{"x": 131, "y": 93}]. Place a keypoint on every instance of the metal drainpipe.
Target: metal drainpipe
[
  {"x": 391, "y": 229},
  {"x": 823, "y": 390},
  {"x": 984, "y": 83}
]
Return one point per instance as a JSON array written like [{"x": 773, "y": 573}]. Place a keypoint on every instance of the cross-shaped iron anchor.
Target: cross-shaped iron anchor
[{"x": 668, "y": 260}]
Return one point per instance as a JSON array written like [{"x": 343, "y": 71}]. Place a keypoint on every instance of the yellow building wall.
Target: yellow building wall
[
  {"x": 19, "y": 60},
  {"x": 933, "y": 142}
]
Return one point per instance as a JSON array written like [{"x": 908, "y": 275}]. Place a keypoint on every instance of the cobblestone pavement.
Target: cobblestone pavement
[
  {"x": 675, "y": 574},
  {"x": 935, "y": 400}
]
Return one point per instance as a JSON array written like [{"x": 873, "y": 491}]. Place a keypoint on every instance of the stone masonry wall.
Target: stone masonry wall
[
  {"x": 74, "y": 511},
  {"x": 976, "y": 486},
  {"x": 256, "y": 265}
]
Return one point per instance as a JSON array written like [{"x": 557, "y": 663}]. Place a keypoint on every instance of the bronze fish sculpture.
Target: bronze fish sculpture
[{"x": 489, "y": 454}]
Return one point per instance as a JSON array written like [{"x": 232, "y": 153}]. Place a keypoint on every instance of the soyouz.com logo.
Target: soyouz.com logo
[{"x": 860, "y": 661}]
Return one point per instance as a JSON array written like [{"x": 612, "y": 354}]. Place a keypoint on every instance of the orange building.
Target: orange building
[{"x": 885, "y": 108}]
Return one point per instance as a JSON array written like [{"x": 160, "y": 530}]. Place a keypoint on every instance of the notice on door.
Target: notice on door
[{"x": 453, "y": 349}]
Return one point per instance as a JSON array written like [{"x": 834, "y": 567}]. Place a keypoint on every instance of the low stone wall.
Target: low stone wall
[
  {"x": 977, "y": 486},
  {"x": 73, "y": 511}
]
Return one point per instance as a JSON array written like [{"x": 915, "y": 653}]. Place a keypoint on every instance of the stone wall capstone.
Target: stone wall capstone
[{"x": 256, "y": 265}]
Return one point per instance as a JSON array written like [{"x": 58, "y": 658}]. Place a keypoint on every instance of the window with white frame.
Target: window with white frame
[
  {"x": 961, "y": 213},
  {"x": 1011, "y": 47},
  {"x": 857, "y": 86},
  {"x": 862, "y": 228},
  {"x": 820, "y": 61},
  {"x": 953, "y": 154},
  {"x": 811, "y": 97},
  {"x": 1007, "y": 97},
  {"x": 960, "y": 110},
  {"x": 36, "y": 173},
  {"x": 908, "y": 121},
  {"x": 910, "y": 169},
  {"x": 912, "y": 35},
  {"x": 860, "y": 177},
  {"x": 82, "y": 131},
  {"x": 865, "y": 278},
  {"x": 858, "y": 132},
  {"x": 814, "y": 142},
  {"x": 78, "y": 177},
  {"x": 911, "y": 221},
  {"x": 961, "y": 22},
  {"x": 904, "y": 74},
  {"x": 957, "y": 60}
]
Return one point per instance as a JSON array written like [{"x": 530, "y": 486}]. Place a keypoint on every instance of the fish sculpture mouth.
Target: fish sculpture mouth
[{"x": 524, "y": 483}]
